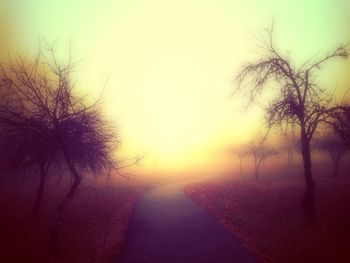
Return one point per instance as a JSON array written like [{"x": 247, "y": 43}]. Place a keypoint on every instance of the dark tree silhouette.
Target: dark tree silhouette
[
  {"x": 290, "y": 145},
  {"x": 239, "y": 152},
  {"x": 299, "y": 99},
  {"x": 43, "y": 122},
  {"x": 334, "y": 145},
  {"x": 260, "y": 151},
  {"x": 340, "y": 121}
]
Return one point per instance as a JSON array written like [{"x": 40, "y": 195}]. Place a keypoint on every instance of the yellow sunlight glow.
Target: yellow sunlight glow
[{"x": 169, "y": 65}]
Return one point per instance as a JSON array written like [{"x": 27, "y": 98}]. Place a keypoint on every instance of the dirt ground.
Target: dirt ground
[
  {"x": 267, "y": 215},
  {"x": 94, "y": 227}
]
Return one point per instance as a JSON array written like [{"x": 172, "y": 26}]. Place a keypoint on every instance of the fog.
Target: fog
[{"x": 103, "y": 103}]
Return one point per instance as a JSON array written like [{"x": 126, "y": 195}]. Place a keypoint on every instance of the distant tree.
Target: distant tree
[
  {"x": 44, "y": 122},
  {"x": 240, "y": 152},
  {"x": 260, "y": 151},
  {"x": 334, "y": 145},
  {"x": 340, "y": 122},
  {"x": 290, "y": 144},
  {"x": 299, "y": 99}
]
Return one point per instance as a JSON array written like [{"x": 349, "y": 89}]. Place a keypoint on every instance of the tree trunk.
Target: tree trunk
[
  {"x": 256, "y": 168},
  {"x": 77, "y": 178},
  {"x": 308, "y": 199},
  {"x": 290, "y": 158},
  {"x": 240, "y": 165},
  {"x": 336, "y": 160},
  {"x": 40, "y": 192}
]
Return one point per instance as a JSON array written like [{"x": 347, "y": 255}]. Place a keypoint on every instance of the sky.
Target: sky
[{"x": 166, "y": 68}]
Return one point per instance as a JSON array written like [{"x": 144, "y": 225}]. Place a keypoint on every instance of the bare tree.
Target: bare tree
[
  {"x": 334, "y": 145},
  {"x": 240, "y": 155},
  {"x": 240, "y": 152},
  {"x": 290, "y": 145},
  {"x": 299, "y": 99},
  {"x": 340, "y": 121},
  {"x": 47, "y": 123},
  {"x": 260, "y": 151}
]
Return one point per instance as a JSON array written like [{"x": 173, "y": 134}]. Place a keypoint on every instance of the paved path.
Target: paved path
[{"x": 167, "y": 227}]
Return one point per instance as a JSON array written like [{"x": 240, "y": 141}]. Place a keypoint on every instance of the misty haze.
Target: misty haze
[{"x": 185, "y": 132}]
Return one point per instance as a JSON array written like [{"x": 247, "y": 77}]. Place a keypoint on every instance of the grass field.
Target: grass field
[
  {"x": 267, "y": 216},
  {"x": 94, "y": 227}
]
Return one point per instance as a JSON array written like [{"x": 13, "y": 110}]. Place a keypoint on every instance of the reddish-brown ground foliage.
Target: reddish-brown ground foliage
[
  {"x": 94, "y": 226},
  {"x": 267, "y": 216}
]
